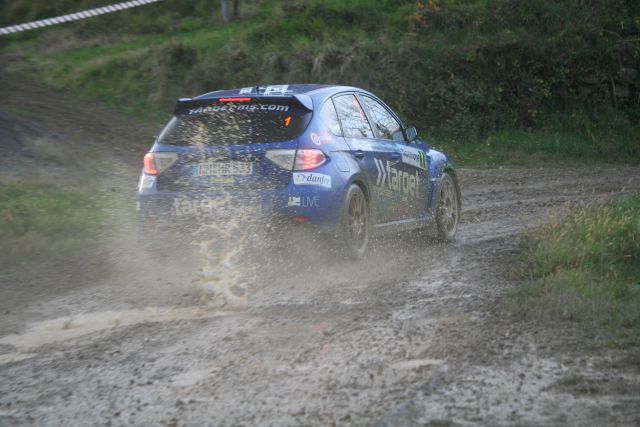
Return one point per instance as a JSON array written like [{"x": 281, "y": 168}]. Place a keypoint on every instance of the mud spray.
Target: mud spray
[
  {"x": 222, "y": 245},
  {"x": 222, "y": 249}
]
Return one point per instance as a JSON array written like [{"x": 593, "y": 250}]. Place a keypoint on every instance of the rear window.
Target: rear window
[
  {"x": 330, "y": 118},
  {"x": 229, "y": 123}
]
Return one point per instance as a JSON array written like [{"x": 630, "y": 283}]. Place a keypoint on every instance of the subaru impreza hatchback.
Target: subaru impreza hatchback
[{"x": 334, "y": 159}]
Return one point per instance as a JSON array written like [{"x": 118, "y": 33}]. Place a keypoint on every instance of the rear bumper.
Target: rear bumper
[{"x": 271, "y": 209}]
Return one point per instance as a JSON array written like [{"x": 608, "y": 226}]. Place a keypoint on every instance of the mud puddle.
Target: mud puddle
[{"x": 67, "y": 328}]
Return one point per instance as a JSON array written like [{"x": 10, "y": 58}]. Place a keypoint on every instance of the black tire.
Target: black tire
[
  {"x": 448, "y": 210},
  {"x": 356, "y": 224}
]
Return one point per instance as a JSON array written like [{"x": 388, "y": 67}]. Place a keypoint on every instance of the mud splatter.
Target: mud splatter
[{"x": 67, "y": 328}]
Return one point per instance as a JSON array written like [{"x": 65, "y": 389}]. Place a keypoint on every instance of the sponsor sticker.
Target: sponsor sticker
[
  {"x": 311, "y": 202},
  {"x": 204, "y": 208},
  {"x": 233, "y": 108},
  {"x": 272, "y": 90},
  {"x": 321, "y": 138},
  {"x": 396, "y": 180},
  {"x": 413, "y": 156},
  {"x": 293, "y": 201},
  {"x": 310, "y": 178},
  {"x": 304, "y": 201}
]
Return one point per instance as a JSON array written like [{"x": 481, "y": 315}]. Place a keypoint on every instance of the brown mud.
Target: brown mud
[{"x": 416, "y": 334}]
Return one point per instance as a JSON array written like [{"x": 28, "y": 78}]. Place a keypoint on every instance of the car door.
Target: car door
[
  {"x": 370, "y": 154},
  {"x": 408, "y": 177}
]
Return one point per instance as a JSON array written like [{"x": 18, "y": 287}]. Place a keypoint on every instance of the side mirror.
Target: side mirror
[{"x": 411, "y": 133}]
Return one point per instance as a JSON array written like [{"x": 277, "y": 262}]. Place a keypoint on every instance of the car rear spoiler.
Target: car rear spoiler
[{"x": 195, "y": 105}]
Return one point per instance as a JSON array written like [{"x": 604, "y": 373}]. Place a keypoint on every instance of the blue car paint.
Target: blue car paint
[{"x": 321, "y": 205}]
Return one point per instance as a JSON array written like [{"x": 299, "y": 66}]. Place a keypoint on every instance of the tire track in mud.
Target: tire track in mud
[
  {"x": 407, "y": 336},
  {"x": 410, "y": 335}
]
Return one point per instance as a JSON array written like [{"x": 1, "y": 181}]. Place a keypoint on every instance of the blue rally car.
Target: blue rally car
[{"x": 334, "y": 158}]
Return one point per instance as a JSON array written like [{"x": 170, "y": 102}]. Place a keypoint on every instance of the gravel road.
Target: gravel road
[{"x": 416, "y": 334}]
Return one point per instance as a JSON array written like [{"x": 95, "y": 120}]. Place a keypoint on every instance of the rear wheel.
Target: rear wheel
[
  {"x": 356, "y": 223},
  {"x": 448, "y": 211}
]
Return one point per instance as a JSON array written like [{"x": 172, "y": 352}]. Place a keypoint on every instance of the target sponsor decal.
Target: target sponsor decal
[{"x": 396, "y": 180}]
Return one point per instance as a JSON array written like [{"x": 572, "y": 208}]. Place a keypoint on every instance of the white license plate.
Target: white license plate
[{"x": 223, "y": 169}]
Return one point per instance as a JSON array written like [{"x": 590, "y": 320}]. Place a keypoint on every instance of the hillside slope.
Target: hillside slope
[{"x": 544, "y": 79}]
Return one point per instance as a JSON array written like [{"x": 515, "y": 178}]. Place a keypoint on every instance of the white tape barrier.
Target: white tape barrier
[{"x": 75, "y": 16}]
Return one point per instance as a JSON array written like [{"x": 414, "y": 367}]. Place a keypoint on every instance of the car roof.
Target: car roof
[{"x": 280, "y": 90}]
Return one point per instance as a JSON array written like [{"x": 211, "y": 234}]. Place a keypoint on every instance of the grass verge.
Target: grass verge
[
  {"x": 566, "y": 139},
  {"x": 37, "y": 221},
  {"x": 585, "y": 268},
  {"x": 492, "y": 82}
]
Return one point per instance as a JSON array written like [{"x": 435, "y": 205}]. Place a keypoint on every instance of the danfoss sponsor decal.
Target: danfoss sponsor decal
[
  {"x": 397, "y": 180},
  {"x": 242, "y": 107},
  {"x": 310, "y": 178}
]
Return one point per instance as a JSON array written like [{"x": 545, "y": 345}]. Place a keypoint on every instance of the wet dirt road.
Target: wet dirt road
[
  {"x": 410, "y": 336},
  {"x": 417, "y": 334}
]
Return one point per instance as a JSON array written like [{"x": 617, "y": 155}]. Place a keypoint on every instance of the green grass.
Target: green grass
[
  {"x": 585, "y": 267},
  {"x": 37, "y": 221},
  {"x": 491, "y": 81},
  {"x": 569, "y": 140}
]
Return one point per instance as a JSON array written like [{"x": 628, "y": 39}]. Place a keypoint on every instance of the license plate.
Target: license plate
[{"x": 223, "y": 169}]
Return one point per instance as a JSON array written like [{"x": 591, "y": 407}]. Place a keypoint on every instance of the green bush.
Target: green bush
[{"x": 463, "y": 72}]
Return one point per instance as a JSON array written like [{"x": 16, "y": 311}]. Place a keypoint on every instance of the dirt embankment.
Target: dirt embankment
[{"x": 414, "y": 335}]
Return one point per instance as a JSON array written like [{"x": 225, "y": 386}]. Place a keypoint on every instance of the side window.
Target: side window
[
  {"x": 330, "y": 118},
  {"x": 387, "y": 127},
  {"x": 354, "y": 122}
]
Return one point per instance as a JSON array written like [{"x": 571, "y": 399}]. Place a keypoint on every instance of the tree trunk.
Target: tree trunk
[{"x": 224, "y": 5}]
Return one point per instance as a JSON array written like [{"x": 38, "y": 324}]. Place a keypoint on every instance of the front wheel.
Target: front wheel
[
  {"x": 355, "y": 223},
  {"x": 448, "y": 211}
]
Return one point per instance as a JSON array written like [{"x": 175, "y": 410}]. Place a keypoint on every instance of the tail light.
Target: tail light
[
  {"x": 308, "y": 159},
  {"x": 155, "y": 163},
  {"x": 283, "y": 158},
  {"x": 299, "y": 160}
]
